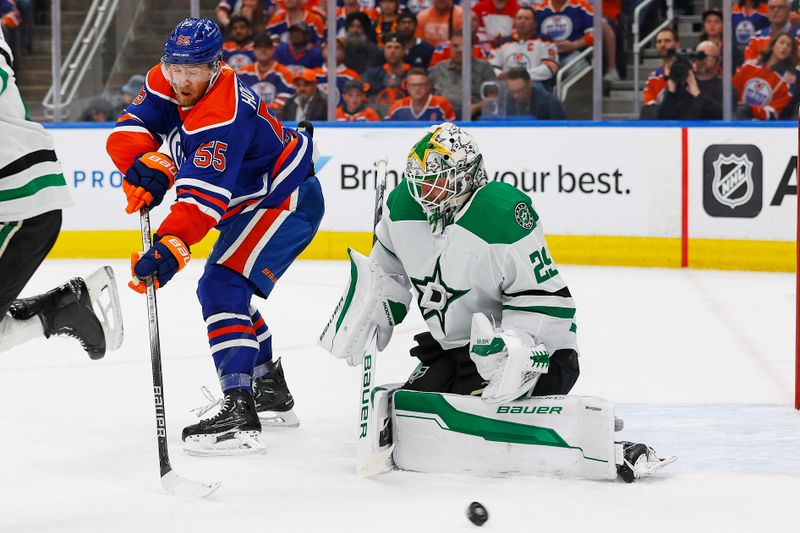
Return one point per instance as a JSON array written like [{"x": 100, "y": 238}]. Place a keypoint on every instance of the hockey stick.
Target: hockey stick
[
  {"x": 368, "y": 461},
  {"x": 172, "y": 482}
]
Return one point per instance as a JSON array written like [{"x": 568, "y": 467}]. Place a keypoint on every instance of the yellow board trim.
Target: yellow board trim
[{"x": 775, "y": 256}]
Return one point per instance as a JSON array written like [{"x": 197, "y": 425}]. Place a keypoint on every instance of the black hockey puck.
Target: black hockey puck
[{"x": 477, "y": 514}]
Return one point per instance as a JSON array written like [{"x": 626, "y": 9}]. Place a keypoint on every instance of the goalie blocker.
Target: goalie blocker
[{"x": 561, "y": 436}]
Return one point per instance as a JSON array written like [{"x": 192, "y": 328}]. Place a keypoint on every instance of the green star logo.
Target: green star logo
[
  {"x": 434, "y": 296},
  {"x": 425, "y": 146}
]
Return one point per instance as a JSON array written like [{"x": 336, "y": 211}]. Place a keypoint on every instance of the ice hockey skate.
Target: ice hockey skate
[
  {"x": 87, "y": 310},
  {"x": 234, "y": 430},
  {"x": 635, "y": 461},
  {"x": 273, "y": 400}
]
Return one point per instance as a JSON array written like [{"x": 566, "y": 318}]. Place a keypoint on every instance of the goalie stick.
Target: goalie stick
[
  {"x": 171, "y": 481},
  {"x": 371, "y": 459}
]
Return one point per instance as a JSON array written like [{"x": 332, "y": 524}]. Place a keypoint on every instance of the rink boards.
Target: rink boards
[{"x": 637, "y": 194}]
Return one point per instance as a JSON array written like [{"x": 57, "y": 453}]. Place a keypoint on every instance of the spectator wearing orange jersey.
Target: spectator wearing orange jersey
[
  {"x": 293, "y": 14},
  {"x": 666, "y": 45},
  {"x": 420, "y": 104},
  {"x": 763, "y": 91},
  {"x": 778, "y": 12},
  {"x": 495, "y": 19},
  {"x": 354, "y": 107},
  {"x": 436, "y": 23}
]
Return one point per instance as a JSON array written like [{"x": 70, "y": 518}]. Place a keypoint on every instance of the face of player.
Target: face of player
[
  {"x": 190, "y": 82},
  {"x": 778, "y": 12},
  {"x": 782, "y": 48},
  {"x": 713, "y": 27},
  {"x": 291, "y": 4},
  {"x": 520, "y": 90},
  {"x": 240, "y": 32},
  {"x": 665, "y": 41},
  {"x": 353, "y": 99},
  {"x": 264, "y": 54},
  {"x": 418, "y": 87},
  {"x": 524, "y": 23},
  {"x": 434, "y": 190},
  {"x": 393, "y": 52},
  {"x": 304, "y": 88}
]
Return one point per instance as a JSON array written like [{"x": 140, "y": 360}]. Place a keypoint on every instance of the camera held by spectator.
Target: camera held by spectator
[
  {"x": 694, "y": 86},
  {"x": 682, "y": 65}
]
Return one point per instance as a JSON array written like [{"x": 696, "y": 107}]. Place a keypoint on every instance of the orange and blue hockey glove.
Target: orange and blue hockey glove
[
  {"x": 148, "y": 180},
  {"x": 168, "y": 255}
]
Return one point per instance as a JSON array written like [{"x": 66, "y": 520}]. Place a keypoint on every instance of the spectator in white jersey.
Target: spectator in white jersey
[{"x": 525, "y": 49}]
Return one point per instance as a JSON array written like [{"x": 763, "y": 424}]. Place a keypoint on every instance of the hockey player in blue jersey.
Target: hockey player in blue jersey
[{"x": 235, "y": 168}]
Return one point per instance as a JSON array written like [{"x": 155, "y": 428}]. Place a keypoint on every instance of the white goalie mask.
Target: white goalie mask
[{"x": 442, "y": 171}]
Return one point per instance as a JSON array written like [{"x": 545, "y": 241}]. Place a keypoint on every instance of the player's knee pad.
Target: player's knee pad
[{"x": 222, "y": 290}]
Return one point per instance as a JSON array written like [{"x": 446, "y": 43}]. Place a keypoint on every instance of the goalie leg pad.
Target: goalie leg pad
[{"x": 562, "y": 436}]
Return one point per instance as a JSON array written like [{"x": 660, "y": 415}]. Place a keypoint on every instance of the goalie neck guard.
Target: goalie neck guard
[{"x": 443, "y": 169}]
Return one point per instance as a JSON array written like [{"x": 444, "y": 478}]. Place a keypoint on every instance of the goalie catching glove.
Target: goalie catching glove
[
  {"x": 373, "y": 301},
  {"x": 167, "y": 256},
  {"x": 510, "y": 360},
  {"x": 148, "y": 180}
]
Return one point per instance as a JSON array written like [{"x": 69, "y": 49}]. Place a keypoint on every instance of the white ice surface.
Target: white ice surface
[{"x": 700, "y": 363}]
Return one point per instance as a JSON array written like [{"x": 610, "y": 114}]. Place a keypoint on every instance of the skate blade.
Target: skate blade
[
  {"x": 648, "y": 468},
  {"x": 278, "y": 419},
  {"x": 103, "y": 293},
  {"x": 241, "y": 443}
]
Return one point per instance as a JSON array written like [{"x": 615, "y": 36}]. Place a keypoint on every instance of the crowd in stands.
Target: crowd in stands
[
  {"x": 766, "y": 80},
  {"x": 403, "y": 59}
]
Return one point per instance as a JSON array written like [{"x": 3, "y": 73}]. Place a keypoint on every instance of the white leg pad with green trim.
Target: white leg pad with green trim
[{"x": 562, "y": 436}]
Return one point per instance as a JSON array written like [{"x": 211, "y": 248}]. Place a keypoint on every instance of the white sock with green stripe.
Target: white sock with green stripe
[{"x": 14, "y": 332}]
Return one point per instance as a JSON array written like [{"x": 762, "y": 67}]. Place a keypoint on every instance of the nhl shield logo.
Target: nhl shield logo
[{"x": 733, "y": 180}]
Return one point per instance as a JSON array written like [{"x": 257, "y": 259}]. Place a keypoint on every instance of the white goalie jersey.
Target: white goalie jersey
[{"x": 492, "y": 259}]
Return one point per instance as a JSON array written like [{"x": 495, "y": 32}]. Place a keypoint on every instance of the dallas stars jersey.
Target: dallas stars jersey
[
  {"x": 31, "y": 179},
  {"x": 492, "y": 259}
]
